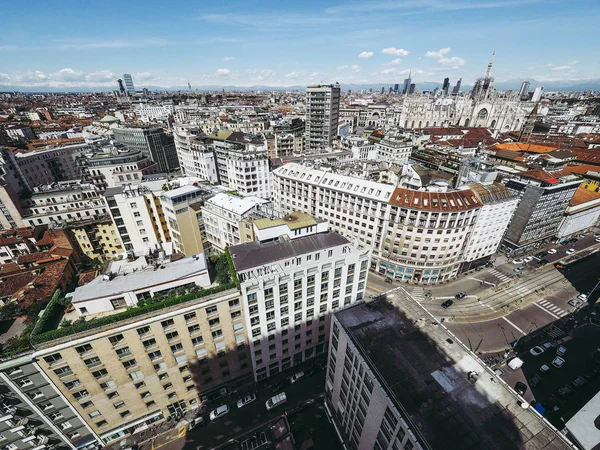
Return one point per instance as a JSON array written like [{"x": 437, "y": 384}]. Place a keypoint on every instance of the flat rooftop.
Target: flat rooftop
[
  {"x": 293, "y": 221},
  {"x": 139, "y": 274},
  {"x": 424, "y": 370},
  {"x": 256, "y": 254},
  {"x": 235, "y": 204}
]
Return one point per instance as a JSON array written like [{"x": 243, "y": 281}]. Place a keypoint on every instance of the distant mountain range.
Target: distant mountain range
[{"x": 564, "y": 85}]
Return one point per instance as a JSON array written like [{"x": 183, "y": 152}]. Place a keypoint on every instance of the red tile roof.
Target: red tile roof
[{"x": 583, "y": 195}]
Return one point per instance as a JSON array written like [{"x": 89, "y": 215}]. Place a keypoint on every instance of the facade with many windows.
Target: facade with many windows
[
  {"x": 290, "y": 287},
  {"x": 124, "y": 377}
]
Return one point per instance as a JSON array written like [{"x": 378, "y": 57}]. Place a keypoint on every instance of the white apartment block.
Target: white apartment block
[
  {"x": 244, "y": 168},
  {"x": 137, "y": 213},
  {"x": 582, "y": 213},
  {"x": 498, "y": 207},
  {"x": 64, "y": 202},
  {"x": 395, "y": 149},
  {"x": 196, "y": 154},
  {"x": 322, "y": 115},
  {"x": 151, "y": 112},
  {"x": 118, "y": 167},
  {"x": 290, "y": 288},
  {"x": 222, "y": 216}
]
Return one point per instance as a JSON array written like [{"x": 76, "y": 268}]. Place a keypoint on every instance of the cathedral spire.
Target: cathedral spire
[{"x": 490, "y": 64}]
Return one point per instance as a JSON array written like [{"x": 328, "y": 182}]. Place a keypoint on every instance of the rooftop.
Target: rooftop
[
  {"x": 294, "y": 221},
  {"x": 140, "y": 274},
  {"x": 424, "y": 370},
  {"x": 462, "y": 200},
  {"x": 584, "y": 425},
  {"x": 523, "y": 147},
  {"x": 583, "y": 195},
  {"x": 235, "y": 204},
  {"x": 255, "y": 254}
]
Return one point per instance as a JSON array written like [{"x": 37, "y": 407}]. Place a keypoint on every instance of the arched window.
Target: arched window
[{"x": 482, "y": 114}]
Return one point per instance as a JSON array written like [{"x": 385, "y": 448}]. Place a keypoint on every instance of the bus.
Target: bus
[{"x": 572, "y": 260}]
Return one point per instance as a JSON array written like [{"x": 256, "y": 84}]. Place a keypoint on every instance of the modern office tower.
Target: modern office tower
[
  {"x": 396, "y": 88},
  {"x": 223, "y": 214},
  {"x": 396, "y": 376},
  {"x": 382, "y": 90},
  {"x": 182, "y": 208},
  {"x": 446, "y": 86},
  {"x": 121, "y": 87},
  {"x": 412, "y": 88},
  {"x": 137, "y": 213},
  {"x": 153, "y": 142},
  {"x": 125, "y": 376},
  {"x": 406, "y": 86},
  {"x": 537, "y": 94},
  {"x": 456, "y": 88},
  {"x": 322, "y": 114},
  {"x": 524, "y": 91},
  {"x": 544, "y": 197},
  {"x": 35, "y": 414},
  {"x": 129, "y": 84},
  {"x": 290, "y": 285}
]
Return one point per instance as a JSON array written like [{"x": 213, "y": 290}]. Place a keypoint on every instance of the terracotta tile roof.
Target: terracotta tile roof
[
  {"x": 10, "y": 267},
  {"x": 462, "y": 200},
  {"x": 583, "y": 195},
  {"x": 45, "y": 240},
  {"x": 33, "y": 257},
  {"x": 522, "y": 147},
  {"x": 582, "y": 169},
  {"x": 9, "y": 240},
  {"x": 511, "y": 156},
  {"x": 445, "y": 131},
  {"x": 587, "y": 156},
  {"x": 544, "y": 175},
  {"x": 86, "y": 277}
]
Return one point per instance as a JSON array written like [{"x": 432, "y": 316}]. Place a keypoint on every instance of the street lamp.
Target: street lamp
[{"x": 505, "y": 338}]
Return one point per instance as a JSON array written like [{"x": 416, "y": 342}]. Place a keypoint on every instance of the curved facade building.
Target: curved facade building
[{"x": 196, "y": 155}]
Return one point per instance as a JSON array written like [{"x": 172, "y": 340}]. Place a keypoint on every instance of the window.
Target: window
[
  {"x": 94, "y": 414},
  {"x": 53, "y": 358},
  {"x": 149, "y": 343},
  {"x": 123, "y": 352},
  {"x": 167, "y": 323},
  {"x": 119, "y": 404},
  {"x": 160, "y": 366},
  {"x": 130, "y": 364},
  {"x": 84, "y": 349},
  {"x": 197, "y": 341},
  {"x": 125, "y": 414},
  {"x": 93, "y": 362},
  {"x": 177, "y": 348},
  {"x": 69, "y": 385},
  {"x": 141, "y": 384},
  {"x": 194, "y": 329},
  {"x": 144, "y": 331},
  {"x": 211, "y": 310},
  {"x": 117, "y": 339},
  {"x": 214, "y": 322},
  {"x": 81, "y": 394},
  {"x": 108, "y": 385},
  {"x": 190, "y": 317},
  {"x": 217, "y": 334},
  {"x": 172, "y": 336},
  {"x": 155, "y": 355}
]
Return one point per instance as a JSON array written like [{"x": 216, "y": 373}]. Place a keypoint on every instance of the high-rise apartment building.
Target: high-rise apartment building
[
  {"x": 129, "y": 84},
  {"x": 446, "y": 86},
  {"x": 524, "y": 91},
  {"x": 322, "y": 115},
  {"x": 152, "y": 142},
  {"x": 291, "y": 285},
  {"x": 396, "y": 377}
]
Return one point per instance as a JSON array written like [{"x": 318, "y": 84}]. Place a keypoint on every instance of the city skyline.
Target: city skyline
[{"x": 92, "y": 46}]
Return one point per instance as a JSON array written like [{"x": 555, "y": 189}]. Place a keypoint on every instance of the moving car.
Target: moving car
[
  {"x": 195, "y": 423},
  {"x": 296, "y": 377},
  {"x": 552, "y": 251},
  {"x": 558, "y": 362},
  {"x": 520, "y": 387},
  {"x": 537, "y": 350},
  {"x": 447, "y": 304},
  {"x": 246, "y": 400},
  {"x": 560, "y": 351},
  {"x": 275, "y": 401},
  {"x": 219, "y": 412},
  {"x": 574, "y": 302},
  {"x": 570, "y": 251},
  {"x": 518, "y": 269},
  {"x": 582, "y": 297},
  {"x": 460, "y": 295}
]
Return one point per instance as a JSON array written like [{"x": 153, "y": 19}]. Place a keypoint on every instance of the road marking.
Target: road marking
[
  {"x": 549, "y": 312},
  {"x": 181, "y": 431},
  {"x": 445, "y": 298},
  {"x": 514, "y": 326}
]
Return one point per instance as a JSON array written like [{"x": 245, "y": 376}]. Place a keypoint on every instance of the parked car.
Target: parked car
[
  {"x": 535, "y": 380},
  {"x": 275, "y": 401},
  {"x": 246, "y": 400},
  {"x": 296, "y": 377},
  {"x": 219, "y": 412},
  {"x": 196, "y": 422},
  {"x": 537, "y": 350},
  {"x": 388, "y": 280},
  {"x": 544, "y": 368},
  {"x": 499, "y": 372},
  {"x": 518, "y": 269},
  {"x": 528, "y": 259},
  {"x": 570, "y": 251},
  {"x": 520, "y": 387},
  {"x": 560, "y": 351},
  {"x": 578, "y": 382},
  {"x": 552, "y": 251},
  {"x": 582, "y": 297},
  {"x": 517, "y": 261},
  {"x": 565, "y": 391},
  {"x": 575, "y": 302},
  {"x": 547, "y": 345},
  {"x": 447, "y": 304},
  {"x": 460, "y": 295},
  {"x": 558, "y": 362}
]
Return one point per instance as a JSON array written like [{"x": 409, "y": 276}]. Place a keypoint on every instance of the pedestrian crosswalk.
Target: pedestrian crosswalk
[
  {"x": 555, "y": 333},
  {"x": 502, "y": 277},
  {"x": 549, "y": 306},
  {"x": 418, "y": 294}
]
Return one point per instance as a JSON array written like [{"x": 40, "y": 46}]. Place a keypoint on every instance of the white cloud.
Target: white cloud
[
  {"x": 295, "y": 74},
  {"x": 228, "y": 58},
  {"x": 395, "y": 51},
  {"x": 344, "y": 67},
  {"x": 366, "y": 54},
  {"x": 439, "y": 54},
  {"x": 223, "y": 72},
  {"x": 100, "y": 75},
  {"x": 388, "y": 71},
  {"x": 453, "y": 62},
  {"x": 394, "y": 62},
  {"x": 354, "y": 67},
  {"x": 67, "y": 74}
]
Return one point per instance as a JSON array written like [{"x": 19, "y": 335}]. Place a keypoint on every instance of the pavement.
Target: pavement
[{"x": 15, "y": 330}]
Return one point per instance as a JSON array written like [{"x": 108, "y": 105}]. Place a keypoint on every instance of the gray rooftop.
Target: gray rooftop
[
  {"x": 143, "y": 276},
  {"x": 424, "y": 370},
  {"x": 256, "y": 254}
]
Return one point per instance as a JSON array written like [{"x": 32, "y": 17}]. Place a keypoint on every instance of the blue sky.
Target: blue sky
[{"x": 282, "y": 43}]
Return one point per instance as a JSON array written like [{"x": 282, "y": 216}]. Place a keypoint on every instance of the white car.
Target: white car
[
  {"x": 547, "y": 345},
  {"x": 552, "y": 251},
  {"x": 528, "y": 259},
  {"x": 246, "y": 400},
  {"x": 597, "y": 239},
  {"x": 544, "y": 368},
  {"x": 558, "y": 362},
  {"x": 560, "y": 351},
  {"x": 219, "y": 412},
  {"x": 582, "y": 297},
  {"x": 296, "y": 377},
  {"x": 537, "y": 350},
  {"x": 517, "y": 261},
  {"x": 570, "y": 251}
]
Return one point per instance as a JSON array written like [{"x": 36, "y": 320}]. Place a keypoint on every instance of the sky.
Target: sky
[{"x": 75, "y": 44}]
